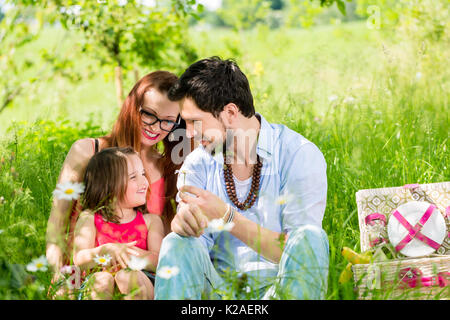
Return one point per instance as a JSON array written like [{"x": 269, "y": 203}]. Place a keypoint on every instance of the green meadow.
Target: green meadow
[{"x": 375, "y": 103}]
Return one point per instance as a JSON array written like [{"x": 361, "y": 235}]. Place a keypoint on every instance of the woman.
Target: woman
[{"x": 146, "y": 118}]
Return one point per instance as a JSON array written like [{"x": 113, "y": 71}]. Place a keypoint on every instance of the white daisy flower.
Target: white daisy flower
[
  {"x": 218, "y": 225},
  {"x": 66, "y": 269},
  {"x": 282, "y": 200},
  {"x": 168, "y": 272},
  {"x": 285, "y": 198},
  {"x": 184, "y": 172},
  {"x": 349, "y": 100},
  {"x": 102, "y": 260},
  {"x": 38, "y": 264},
  {"x": 137, "y": 263},
  {"x": 418, "y": 75},
  {"x": 68, "y": 191},
  {"x": 332, "y": 98}
]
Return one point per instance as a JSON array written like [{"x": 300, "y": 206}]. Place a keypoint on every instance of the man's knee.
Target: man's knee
[
  {"x": 173, "y": 243},
  {"x": 309, "y": 240},
  {"x": 309, "y": 233}
]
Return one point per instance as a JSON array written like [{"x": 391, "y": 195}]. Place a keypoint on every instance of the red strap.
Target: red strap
[
  {"x": 415, "y": 231},
  {"x": 411, "y": 186},
  {"x": 371, "y": 218},
  {"x": 412, "y": 277},
  {"x": 376, "y": 241}
]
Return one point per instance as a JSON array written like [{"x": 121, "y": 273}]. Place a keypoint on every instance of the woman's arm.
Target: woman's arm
[
  {"x": 72, "y": 170},
  {"x": 84, "y": 249}
]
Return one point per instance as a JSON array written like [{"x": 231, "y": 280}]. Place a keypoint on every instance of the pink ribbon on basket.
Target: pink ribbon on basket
[
  {"x": 414, "y": 232},
  {"x": 378, "y": 240},
  {"x": 411, "y": 186},
  {"x": 412, "y": 277},
  {"x": 371, "y": 218}
]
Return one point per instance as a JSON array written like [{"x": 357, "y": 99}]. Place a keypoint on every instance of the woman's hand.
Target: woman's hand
[{"x": 118, "y": 252}]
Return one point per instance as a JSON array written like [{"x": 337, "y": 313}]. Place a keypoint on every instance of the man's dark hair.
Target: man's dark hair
[{"x": 213, "y": 83}]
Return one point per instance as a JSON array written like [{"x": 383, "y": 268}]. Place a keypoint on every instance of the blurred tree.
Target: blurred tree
[
  {"x": 14, "y": 33},
  {"x": 20, "y": 26},
  {"x": 125, "y": 33},
  {"x": 276, "y": 4},
  {"x": 301, "y": 13},
  {"x": 242, "y": 15},
  {"x": 419, "y": 19}
]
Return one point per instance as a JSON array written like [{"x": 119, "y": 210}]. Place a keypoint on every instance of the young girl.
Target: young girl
[{"x": 113, "y": 223}]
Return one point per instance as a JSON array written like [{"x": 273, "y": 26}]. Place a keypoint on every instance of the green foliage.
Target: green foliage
[
  {"x": 302, "y": 13},
  {"x": 419, "y": 19},
  {"x": 242, "y": 15},
  {"x": 125, "y": 33},
  {"x": 28, "y": 71},
  {"x": 375, "y": 101},
  {"x": 15, "y": 32},
  {"x": 31, "y": 157}
]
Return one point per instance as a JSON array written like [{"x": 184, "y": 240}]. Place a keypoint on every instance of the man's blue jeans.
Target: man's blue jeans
[{"x": 302, "y": 274}]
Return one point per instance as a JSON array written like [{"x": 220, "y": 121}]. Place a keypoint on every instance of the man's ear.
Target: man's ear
[{"x": 230, "y": 114}]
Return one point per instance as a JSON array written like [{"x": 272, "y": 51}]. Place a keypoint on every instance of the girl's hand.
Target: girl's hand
[
  {"x": 136, "y": 251},
  {"x": 118, "y": 252}
]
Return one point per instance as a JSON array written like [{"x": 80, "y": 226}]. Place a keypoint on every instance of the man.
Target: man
[{"x": 266, "y": 180}]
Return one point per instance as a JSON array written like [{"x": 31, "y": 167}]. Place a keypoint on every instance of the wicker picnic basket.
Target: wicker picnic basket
[{"x": 420, "y": 277}]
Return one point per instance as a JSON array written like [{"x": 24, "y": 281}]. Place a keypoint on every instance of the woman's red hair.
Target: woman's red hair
[{"x": 127, "y": 132}]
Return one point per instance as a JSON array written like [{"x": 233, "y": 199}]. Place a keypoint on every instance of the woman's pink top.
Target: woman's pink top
[
  {"x": 156, "y": 197},
  {"x": 109, "y": 232}
]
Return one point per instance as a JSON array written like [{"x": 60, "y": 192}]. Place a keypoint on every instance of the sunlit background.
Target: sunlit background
[{"x": 367, "y": 81}]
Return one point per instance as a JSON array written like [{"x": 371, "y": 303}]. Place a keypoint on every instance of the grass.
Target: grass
[{"x": 387, "y": 126}]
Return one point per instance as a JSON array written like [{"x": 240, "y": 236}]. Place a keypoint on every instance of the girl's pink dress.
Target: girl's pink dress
[{"x": 109, "y": 232}]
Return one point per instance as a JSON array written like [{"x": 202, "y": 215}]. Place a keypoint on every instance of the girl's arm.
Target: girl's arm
[
  {"x": 154, "y": 239},
  {"x": 72, "y": 170}
]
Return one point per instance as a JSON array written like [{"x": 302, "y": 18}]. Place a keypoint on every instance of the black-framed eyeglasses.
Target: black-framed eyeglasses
[{"x": 149, "y": 119}]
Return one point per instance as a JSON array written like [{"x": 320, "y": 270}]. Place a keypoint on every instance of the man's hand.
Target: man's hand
[
  {"x": 189, "y": 221},
  {"x": 209, "y": 204},
  {"x": 196, "y": 211}
]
